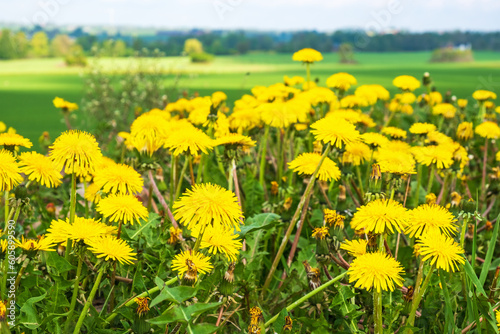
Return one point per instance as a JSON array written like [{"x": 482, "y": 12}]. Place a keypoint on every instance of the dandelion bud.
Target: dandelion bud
[
  {"x": 426, "y": 79},
  {"x": 430, "y": 199},
  {"x": 226, "y": 286},
  {"x": 455, "y": 199},
  {"x": 274, "y": 188},
  {"x": 342, "y": 196},
  {"x": 288, "y": 324}
]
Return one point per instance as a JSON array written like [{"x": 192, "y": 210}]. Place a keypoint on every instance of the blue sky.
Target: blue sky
[{"x": 323, "y": 15}]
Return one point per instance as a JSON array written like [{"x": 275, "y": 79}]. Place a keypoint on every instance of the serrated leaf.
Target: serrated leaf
[
  {"x": 258, "y": 222},
  {"x": 58, "y": 263}
]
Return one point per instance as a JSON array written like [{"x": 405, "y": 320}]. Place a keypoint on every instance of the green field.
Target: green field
[{"x": 27, "y": 87}]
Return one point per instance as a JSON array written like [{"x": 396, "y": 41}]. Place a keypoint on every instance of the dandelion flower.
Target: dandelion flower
[
  {"x": 234, "y": 140},
  {"x": 374, "y": 139},
  {"x": 112, "y": 249},
  {"x": 208, "y": 204},
  {"x": 342, "y": 81},
  {"x": 64, "y": 105},
  {"x": 190, "y": 141},
  {"x": 124, "y": 208},
  {"x": 306, "y": 163},
  {"x": 77, "y": 152},
  {"x": 465, "y": 131},
  {"x": 118, "y": 179},
  {"x": 446, "y": 109},
  {"x": 356, "y": 153},
  {"x": 148, "y": 132},
  {"x": 40, "y": 168},
  {"x": 395, "y": 163},
  {"x": 220, "y": 240},
  {"x": 188, "y": 264},
  {"x": 381, "y": 216},
  {"x": 244, "y": 119},
  {"x": 488, "y": 130},
  {"x": 82, "y": 229},
  {"x": 175, "y": 235},
  {"x": 394, "y": 132},
  {"x": 335, "y": 131},
  {"x": 483, "y": 95},
  {"x": 355, "y": 247},
  {"x": 376, "y": 270},
  {"x": 9, "y": 171},
  {"x": 440, "y": 155},
  {"x": 218, "y": 97},
  {"x": 422, "y": 128},
  {"x": 293, "y": 81},
  {"x": 12, "y": 140},
  {"x": 93, "y": 193},
  {"x": 320, "y": 232},
  {"x": 443, "y": 252},
  {"x": 332, "y": 218},
  {"x": 40, "y": 244},
  {"x": 430, "y": 217},
  {"x": 406, "y": 83},
  {"x": 307, "y": 55}
]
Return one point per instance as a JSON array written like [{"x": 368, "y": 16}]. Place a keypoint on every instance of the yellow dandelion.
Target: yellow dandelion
[
  {"x": 3, "y": 127},
  {"x": 218, "y": 97},
  {"x": 118, "y": 179},
  {"x": 293, "y": 81},
  {"x": 3, "y": 244},
  {"x": 440, "y": 155},
  {"x": 443, "y": 252},
  {"x": 12, "y": 140},
  {"x": 82, "y": 229},
  {"x": 446, "y": 109},
  {"x": 190, "y": 141},
  {"x": 320, "y": 233},
  {"x": 335, "y": 131},
  {"x": 307, "y": 55},
  {"x": 3, "y": 312},
  {"x": 93, "y": 193},
  {"x": 465, "y": 131},
  {"x": 406, "y": 83},
  {"x": 148, "y": 132},
  {"x": 430, "y": 217},
  {"x": 220, "y": 240},
  {"x": 175, "y": 235},
  {"x": 422, "y": 128},
  {"x": 394, "y": 132},
  {"x": 142, "y": 305},
  {"x": 39, "y": 244},
  {"x": 489, "y": 130},
  {"x": 110, "y": 248},
  {"x": 64, "y": 105},
  {"x": 374, "y": 139},
  {"x": 377, "y": 271},
  {"x": 40, "y": 168},
  {"x": 208, "y": 204},
  {"x": 355, "y": 247},
  {"x": 332, "y": 218},
  {"x": 342, "y": 81},
  {"x": 234, "y": 140},
  {"x": 244, "y": 119},
  {"x": 462, "y": 103},
  {"x": 381, "y": 216},
  {"x": 76, "y": 152},
  {"x": 124, "y": 208},
  {"x": 353, "y": 102},
  {"x": 9, "y": 171},
  {"x": 188, "y": 261},
  {"x": 306, "y": 163},
  {"x": 483, "y": 95},
  {"x": 400, "y": 163},
  {"x": 356, "y": 153}
]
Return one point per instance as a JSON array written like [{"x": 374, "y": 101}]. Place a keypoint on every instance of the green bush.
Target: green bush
[{"x": 201, "y": 57}]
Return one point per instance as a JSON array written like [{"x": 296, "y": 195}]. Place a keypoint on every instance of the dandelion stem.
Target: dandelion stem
[
  {"x": 431, "y": 178},
  {"x": 6, "y": 198},
  {"x": 377, "y": 312},
  {"x": 295, "y": 217},
  {"x": 181, "y": 178},
  {"x": 162, "y": 199},
  {"x": 308, "y": 70},
  {"x": 419, "y": 181},
  {"x": 360, "y": 181},
  {"x": 306, "y": 297},
  {"x": 483, "y": 178},
  {"x": 72, "y": 213},
  {"x": 75, "y": 292},
  {"x": 89, "y": 301},
  {"x": 191, "y": 171},
  {"x": 419, "y": 292},
  {"x": 263, "y": 157}
]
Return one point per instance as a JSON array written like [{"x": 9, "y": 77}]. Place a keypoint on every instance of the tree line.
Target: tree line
[{"x": 37, "y": 42}]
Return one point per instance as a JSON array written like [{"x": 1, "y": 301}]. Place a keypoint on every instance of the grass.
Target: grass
[{"x": 27, "y": 87}]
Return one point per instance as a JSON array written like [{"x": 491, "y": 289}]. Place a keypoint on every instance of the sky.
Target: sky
[{"x": 280, "y": 15}]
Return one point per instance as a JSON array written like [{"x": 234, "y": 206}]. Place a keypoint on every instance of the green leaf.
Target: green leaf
[
  {"x": 489, "y": 253},
  {"x": 200, "y": 308},
  {"x": 447, "y": 302},
  {"x": 183, "y": 314},
  {"x": 29, "y": 314},
  {"x": 58, "y": 263},
  {"x": 472, "y": 276},
  {"x": 258, "y": 222},
  {"x": 204, "y": 329},
  {"x": 152, "y": 221},
  {"x": 177, "y": 294},
  {"x": 280, "y": 321}
]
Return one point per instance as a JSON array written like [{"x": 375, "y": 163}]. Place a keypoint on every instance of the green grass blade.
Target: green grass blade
[{"x": 489, "y": 253}]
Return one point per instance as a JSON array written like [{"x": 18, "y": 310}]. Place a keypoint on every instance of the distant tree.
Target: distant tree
[
  {"x": 119, "y": 48},
  {"x": 346, "y": 53},
  {"x": 60, "y": 45},
  {"x": 87, "y": 41},
  {"x": 76, "y": 56},
  {"x": 40, "y": 44},
  {"x": 22, "y": 44},
  {"x": 7, "y": 48},
  {"x": 192, "y": 45},
  {"x": 243, "y": 47}
]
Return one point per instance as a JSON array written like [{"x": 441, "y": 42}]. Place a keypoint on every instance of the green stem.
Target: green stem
[
  {"x": 75, "y": 292},
  {"x": 86, "y": 307},
  {"x": 419, "y": 182},
  {"x": 6, "y": 199},
  {"x": 462, "y": 232},
  {"x": 419, "y": 292},
  {"x": 263, "y": 157},
  {"x": 483, "y": 178},
  {"x": 360, "y": 180},
  {"x": 389, "y": 119},
  {"x": 72, "y": 210},
  {"x": 308, "y": 70},
  {"x": 296, "y": 216},
  {"x": 200, "y": 169},
  {"x": 306, "y": 297},
  {"x": 377, "y": 312},
  {"x": 181, "y": 178},
  {"x": 431, "y": 178}
]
